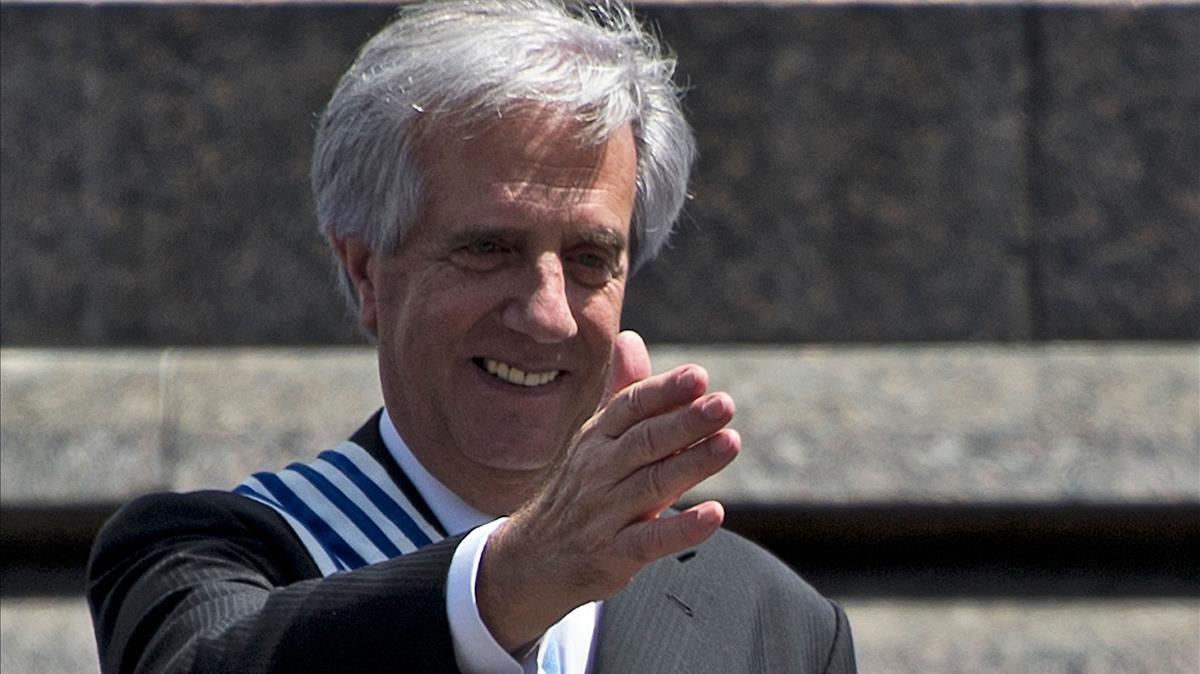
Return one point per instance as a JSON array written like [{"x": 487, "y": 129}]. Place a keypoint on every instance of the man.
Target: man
[{"x": 487, "y": 173}]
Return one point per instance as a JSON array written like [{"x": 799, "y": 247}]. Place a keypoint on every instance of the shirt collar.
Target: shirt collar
[{"x": 454, "y": 513}]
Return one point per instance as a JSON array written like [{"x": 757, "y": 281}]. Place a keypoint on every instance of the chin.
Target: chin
[
  {"x": 517, "y": 464},
  {"x": 515, "y": 455}
]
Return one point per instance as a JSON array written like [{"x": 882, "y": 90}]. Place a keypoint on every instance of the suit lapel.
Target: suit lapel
[{"x": 657, "y": 623}]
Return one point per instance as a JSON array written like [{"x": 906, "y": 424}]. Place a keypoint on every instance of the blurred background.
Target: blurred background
[{"x": 946, "y": 257}]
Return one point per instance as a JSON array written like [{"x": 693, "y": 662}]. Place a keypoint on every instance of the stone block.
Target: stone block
[
  {"x": 866, "y": 174},
  {"x": 1011, "y": 636},
  {"x": 942, "y": 424},
  {"x": 859, "y": 178},
  {"x": 230, "y": 415},
  {"x": 1115, "y": 174},
  {"x": 958, "y": 423},
  {"x": 76, "y": 425},
  {"x": 47, "y": 636},
  {"x": 155, "y": 185}
]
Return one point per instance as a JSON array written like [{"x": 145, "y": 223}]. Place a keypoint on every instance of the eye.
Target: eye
[
  {"x": 593, "y": 267},
  {"x": 480, "y": 255},
  {"x": 592, "y": 260},
  {"x": 482, "y": 247}
]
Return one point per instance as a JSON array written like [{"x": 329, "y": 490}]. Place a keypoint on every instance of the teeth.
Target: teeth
[{"x": 518, "y": 376}]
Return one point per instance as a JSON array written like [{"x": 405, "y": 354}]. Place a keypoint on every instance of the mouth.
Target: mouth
[{"x": 515, "y": 375}]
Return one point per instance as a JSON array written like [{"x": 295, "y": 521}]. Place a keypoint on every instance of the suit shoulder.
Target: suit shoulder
[
  {"x": 756, "y": 568},
  {"x": 755, "y": 615},
  {"x": 157, "y": 520},
  {"x": 210, "y": 512},
  {"x": 783, "y": 608}
]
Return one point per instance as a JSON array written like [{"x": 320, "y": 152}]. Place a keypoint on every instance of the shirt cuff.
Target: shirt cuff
[{"x": 474, "y": 647}]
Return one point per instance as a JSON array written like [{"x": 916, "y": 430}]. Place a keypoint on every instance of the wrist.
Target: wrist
[{"x": 511, "y": 591}]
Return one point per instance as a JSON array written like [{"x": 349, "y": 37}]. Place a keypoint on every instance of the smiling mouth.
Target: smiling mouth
[{"x": 514, "y": 375}]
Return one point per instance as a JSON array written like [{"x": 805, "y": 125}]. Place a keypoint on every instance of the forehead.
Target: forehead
[{"x": 531, "y": 164}]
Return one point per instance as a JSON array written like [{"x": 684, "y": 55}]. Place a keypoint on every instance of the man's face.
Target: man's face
[{"x": 496, "y": 319}]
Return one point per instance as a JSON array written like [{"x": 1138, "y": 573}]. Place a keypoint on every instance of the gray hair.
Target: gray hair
[{"x": 462, "y": 62}]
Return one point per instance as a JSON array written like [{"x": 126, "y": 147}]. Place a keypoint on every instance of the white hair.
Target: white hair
[{"x": 460, "y": 62}]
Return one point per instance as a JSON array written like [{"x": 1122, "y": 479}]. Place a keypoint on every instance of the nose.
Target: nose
[{"x": 543, "y": 311}]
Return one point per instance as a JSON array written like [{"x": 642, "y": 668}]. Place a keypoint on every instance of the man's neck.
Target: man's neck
[{"x": 461, "y": 502}]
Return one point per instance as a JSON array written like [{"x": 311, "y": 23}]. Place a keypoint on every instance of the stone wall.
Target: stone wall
[{"x": 866, "y": 174}]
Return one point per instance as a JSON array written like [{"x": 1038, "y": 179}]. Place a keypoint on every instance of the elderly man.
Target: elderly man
[{"x": 488, "y": 174}]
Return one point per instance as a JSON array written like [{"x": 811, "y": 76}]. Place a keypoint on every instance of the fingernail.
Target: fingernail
[
  {"x": 709, "y": 517},
  {"x": 713, "y": 408},
  {"x": 687, "y": 378}
]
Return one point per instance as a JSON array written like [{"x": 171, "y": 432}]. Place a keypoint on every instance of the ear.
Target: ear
[{"x": 356, "y": 259}]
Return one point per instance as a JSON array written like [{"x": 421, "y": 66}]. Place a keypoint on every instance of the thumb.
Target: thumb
[{"x": 630, "y": 363}]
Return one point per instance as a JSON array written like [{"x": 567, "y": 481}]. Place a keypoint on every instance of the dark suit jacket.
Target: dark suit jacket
[{"x": 215, "y": 582}]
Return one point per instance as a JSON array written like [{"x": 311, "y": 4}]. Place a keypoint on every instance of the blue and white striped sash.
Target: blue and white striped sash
[{"x": 344, "y": 508}]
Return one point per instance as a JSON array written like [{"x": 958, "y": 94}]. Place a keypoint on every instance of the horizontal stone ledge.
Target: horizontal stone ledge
[
  {"x": 820, "y": 424},
  {"x": 54, "y": 636},
  {"x": 1017, "y": 637}
]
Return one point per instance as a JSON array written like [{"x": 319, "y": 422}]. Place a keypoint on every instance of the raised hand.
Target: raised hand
[{"x": 598, "y": 520}]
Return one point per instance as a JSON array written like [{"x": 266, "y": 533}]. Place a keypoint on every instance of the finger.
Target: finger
[
  {"x": 630, "y": 363},
  {"x": 651, "y": 397},
  {"x": 648, "y": 540},
  {"x": 654, "y": 487},
  {"x": 661, "y": 436}
]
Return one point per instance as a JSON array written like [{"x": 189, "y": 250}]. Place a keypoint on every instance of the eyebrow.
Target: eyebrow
[{"x": 603, "y": 236}]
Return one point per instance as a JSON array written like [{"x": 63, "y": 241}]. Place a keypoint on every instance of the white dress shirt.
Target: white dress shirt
[{"x": 474, "y": 647}]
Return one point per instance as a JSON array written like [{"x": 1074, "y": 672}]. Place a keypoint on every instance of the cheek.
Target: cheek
[
  {"x": 448, "y": 313},
  {"x": 422, "y": 295},
  {"x": 600, "y": 305},
  {"x": 603, "y": 309},
  {"x": 411, "y": 322},
  {"x": 599, "y": 317}
]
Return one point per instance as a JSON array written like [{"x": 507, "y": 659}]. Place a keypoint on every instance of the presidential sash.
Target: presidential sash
[{"x": 344, "y": 508}]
